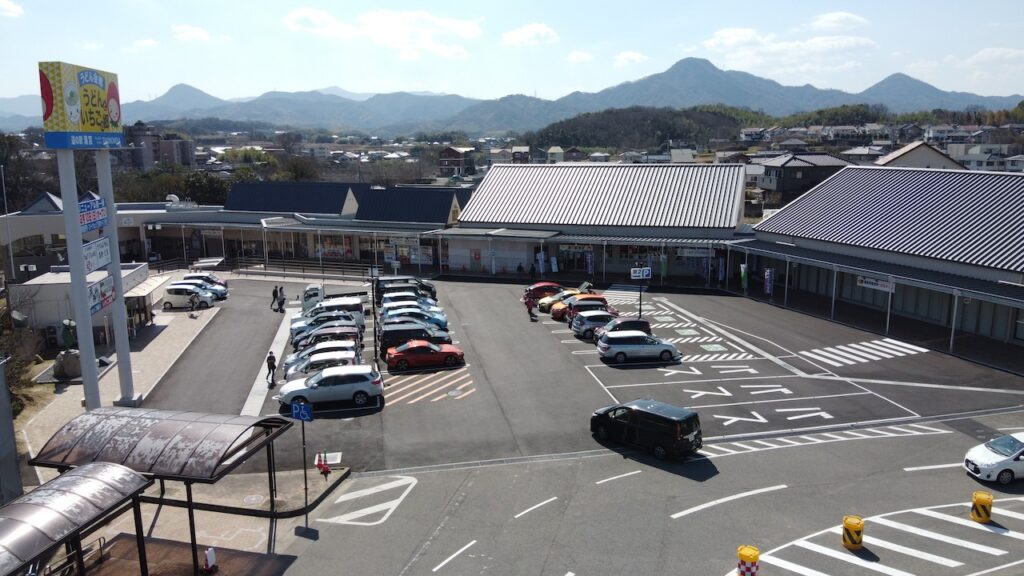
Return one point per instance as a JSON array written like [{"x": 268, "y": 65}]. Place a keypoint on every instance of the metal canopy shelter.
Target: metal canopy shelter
[
  {"x": 36, "y": 525},
  {"x": 166, "y": 445}
]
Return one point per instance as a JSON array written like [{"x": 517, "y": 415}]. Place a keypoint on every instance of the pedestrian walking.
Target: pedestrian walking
[
  {"x": 193, "y": 302},
  {"x": 273, "y": 299},
  {"x": 533, "y": 271},
  {"x": 519, "y": 271},
  {"x": 530, "y": 303},
  {"x": 280, "y": 299},
  {"x": 271, "y": 367}
]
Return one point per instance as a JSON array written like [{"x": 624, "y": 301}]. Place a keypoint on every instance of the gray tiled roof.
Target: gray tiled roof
[
  {"x": 819, "y": 159},
  {"x": 958, "y": 216},
  {"x": 646, "y": 195}
]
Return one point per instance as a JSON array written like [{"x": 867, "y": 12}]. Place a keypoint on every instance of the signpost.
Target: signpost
[
  {"x": 641, "y": 273},
  {"x": 303, "y": 412}
]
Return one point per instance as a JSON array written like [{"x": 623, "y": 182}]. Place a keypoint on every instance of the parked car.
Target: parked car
[
  {"x": 396, "y": 334},
  {"x": 401, "y": 287},
  {"x": 407, "y": 296},
  {"x": 623, "y": 323},
  {"x": 540, "y": 290},
  {"x": 325, "y": 333},
  {"x": 327, "y": 346},
  {"x": 384, "y": 308},
  {"x": 301, "y": 333},
  {"x": 345, "y": 304},
  {"x": 423, "y": 354},
  {"x": 306, "y": 325},
  {"x": 545, "y": 304},
  {"x": 219, "y": 292},
  {"x": 317, "y": 362},
  {"x": 437, "y": 319},
  {"x": 357, "y": 383},
  {"x": 208, "y": 277},
  {"x": 403, "y": 320},
  {"x": 633, "y": 344},
  {"x": 177, "y": 296},
  {"x": 999, "y": 460},
  {"x": 666, "y": 430},
  {"x": 587, "y": 321},
  {"x": 421, "y": 284},
  {"x": 561, "y": 309},
  {"x": 585, "y": 305}
]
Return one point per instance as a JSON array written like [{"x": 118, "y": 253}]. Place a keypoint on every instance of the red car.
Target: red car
[
  {"x": 421, "y": 354},
  {"x": 542, "y": 289}
]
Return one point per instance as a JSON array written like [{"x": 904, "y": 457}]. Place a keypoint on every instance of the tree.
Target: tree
[
  {"x": 207, "y": 188},
  {"x": 290, "y": 141},
  {"x": 299, "y": 168},
  {"x": 19, "y": 345}
]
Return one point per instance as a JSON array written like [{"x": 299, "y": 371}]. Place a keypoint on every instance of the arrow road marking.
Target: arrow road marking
[
  {"x": 810, "y": 414},
  {"x": 757, "y": 418},
  {"x": 387, "y": 507},
  {"x": 699, "y": 393},
  {"x": 766, "y": 388},
  {"x": 691, "y": 370},
  {"x": 734, "y": 369}
]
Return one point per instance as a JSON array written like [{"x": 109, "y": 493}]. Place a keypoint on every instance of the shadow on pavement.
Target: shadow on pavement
[
  {"x": 692, "y": 467},
  {"x": 338, "y": 410}
]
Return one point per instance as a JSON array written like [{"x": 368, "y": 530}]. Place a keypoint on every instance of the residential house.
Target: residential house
[
  {"x": 918, "y": 155},
  {"x": 731, "y": 157},
  {"x": 864, "y": 155},
  {"x": 631, "y": 157},
  {"x": 815, "y": 133},
  {"x": 751, "y": 135},
  {"x": 599, "y": 157},
  {"x": 520, "y": 154},
  {"x": 499, "y": 156},
  {"x": 1015, "y": 163},
  {"x": 682, "y": 156},
  {"x": 456, "y": 161},
  {"x": 177, "y": 152},
  {"x": 774, "y": 133},
  {"x": 909, "y": 132},
  {"x": 555, "y": 155},
  {"x": 983, "y": 161},
  {"x": 875, "y": 131},
  {"x": 842, "y": 133},
  {"x": 795, "y": 173},
  {"x": 792, "y": 144},
  {"x": 574, "y": 154},
  {"x": 938, "y": 133}
]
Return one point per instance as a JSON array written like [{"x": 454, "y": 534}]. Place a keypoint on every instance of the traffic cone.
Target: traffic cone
[
  {"x": 319, "y": 462},
  {"x": 325, "y": 469}
]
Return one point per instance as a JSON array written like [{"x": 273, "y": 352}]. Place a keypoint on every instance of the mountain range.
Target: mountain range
[{"x": 689, "y": 82}]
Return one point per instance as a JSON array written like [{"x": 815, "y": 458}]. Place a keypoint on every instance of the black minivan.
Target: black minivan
[
  {"x": 423, "y": 285},
  {"x": 397, "y": 334},
  {"x": 666, "y": 430}
]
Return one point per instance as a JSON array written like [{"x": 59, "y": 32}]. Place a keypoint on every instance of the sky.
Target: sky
[{"x": 233, "y": 49}]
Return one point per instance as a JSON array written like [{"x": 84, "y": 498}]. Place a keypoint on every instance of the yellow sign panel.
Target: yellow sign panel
[{"x": 81, "y": 107}]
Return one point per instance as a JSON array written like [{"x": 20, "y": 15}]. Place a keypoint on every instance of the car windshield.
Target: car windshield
[
  {"x": 610, "y": 325},
  {"x": 404, "y": 347},
  {"x": 314, "y": 379},
  {"x": 1007, "y": 445}
]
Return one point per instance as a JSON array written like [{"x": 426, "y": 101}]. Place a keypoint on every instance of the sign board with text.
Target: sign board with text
[
  {"x": 302, "y": 411},
  {"x": 101, "y": 294},
  {"x": 92, "y": 214},
  {"x": 876, "y": 284},
  {"x": 81, "y": 107},
  {"x": 640, "y": 273},
  {"x": 96, "y": 254}
]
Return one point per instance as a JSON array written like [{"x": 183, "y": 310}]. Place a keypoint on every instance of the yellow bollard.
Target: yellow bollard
[
  {"x": 853, "y": 532},
  {"x": 748, "y": 556},
  {"x": 981, "y": 507}
]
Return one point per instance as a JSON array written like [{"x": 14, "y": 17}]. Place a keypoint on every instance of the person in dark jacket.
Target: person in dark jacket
[
  {"x": 271, "y": 367},
  {"x": 273, "y": 300}
]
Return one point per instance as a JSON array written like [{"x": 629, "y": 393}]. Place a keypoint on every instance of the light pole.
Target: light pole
[{"x": 7, "y": 224}]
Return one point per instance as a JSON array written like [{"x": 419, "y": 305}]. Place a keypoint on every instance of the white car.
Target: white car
[
  {"x": 630, "y": 344},
  {"x": 208, "y": 277},
  {"x": 357, "y": 383},
  {"x": 328, "y": 346},
  {"x": 1000, "y": 460},
  {"x": 220, "y": 292},
  {"x": 177, "y": 295},
  {"x": 584, "y": 323},
  {"x": 318, "y": 362},
  {"x": 383, "y": 309}
]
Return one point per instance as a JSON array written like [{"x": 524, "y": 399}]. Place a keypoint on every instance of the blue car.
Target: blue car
[{"x": 437, "y": 319}]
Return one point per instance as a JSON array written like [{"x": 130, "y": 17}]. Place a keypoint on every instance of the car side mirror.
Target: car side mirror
[{"x": 313, "y": 386}]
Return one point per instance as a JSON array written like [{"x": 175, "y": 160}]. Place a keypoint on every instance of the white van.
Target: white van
[
  {"x": 318, "y": 362},
  {"x": 320, "y": 347},
  {"x": 351, "y": 304},
  {"x": 220, "y": 292},
  {"x": 177, "y": 295},
  {"x": 208, "y": 277}
]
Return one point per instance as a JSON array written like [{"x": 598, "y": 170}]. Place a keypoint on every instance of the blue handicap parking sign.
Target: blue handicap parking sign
[{"x": 302, "y": 411}]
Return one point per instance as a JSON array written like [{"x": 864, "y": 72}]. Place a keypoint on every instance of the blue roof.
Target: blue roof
[
  {"x": 409, "y": 204},
  {"x": 291, "y": 197}
]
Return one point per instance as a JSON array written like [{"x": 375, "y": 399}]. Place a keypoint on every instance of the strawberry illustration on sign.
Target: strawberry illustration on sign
[
  {"x": 113, "y": 104},
  {"x": 47, "y": 93}
]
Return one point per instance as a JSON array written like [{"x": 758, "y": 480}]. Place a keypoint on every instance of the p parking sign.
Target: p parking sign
[{"x": 302, "y": 411}]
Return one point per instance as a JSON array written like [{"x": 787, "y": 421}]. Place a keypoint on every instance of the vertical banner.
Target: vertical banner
[
  {"x": 743, "y": 276},
  {"x": 769, "y": 280},
  {"x": 589, "y": 256},
  {"x": 541, "y": 262},
  {"x": 721, "y": 269}
]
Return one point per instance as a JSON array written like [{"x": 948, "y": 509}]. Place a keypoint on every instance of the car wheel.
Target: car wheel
[
  {"x": 620, "y": 357},
  {"x": 660, "y": 452},
  {"x": 602, "y": 433},
  {"x": 167, "y": 306},
  {"x": 588, "y": 335},
  {"x": 299, "y": 400},
  {"x": 451, "y": 361},
  {"x": 203, "y": 305},
  {"x": 402, "y": 365},
  {"x": 360, "y": 398},
  {"x": 666, "y": 355},
  {"x": 1005, "y": 477}
]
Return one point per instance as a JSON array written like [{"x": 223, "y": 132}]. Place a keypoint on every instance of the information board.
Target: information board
[{"x": 81, "y": 107}]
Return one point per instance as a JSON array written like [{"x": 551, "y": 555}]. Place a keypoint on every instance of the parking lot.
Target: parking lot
[{"x": 528, "y": 388}]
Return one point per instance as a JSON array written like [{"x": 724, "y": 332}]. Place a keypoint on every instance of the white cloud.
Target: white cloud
[
  {"x": 409, "y": 34},
  {"x": 92, "y": 46},
  {"x": 140, "y": 45},
  {"x": 189, "y": 33},
  {"x": 628, "y": 57},
  {"x": 838, "y": 21},
  {"x": 785, "y": 60},
  {"x": 989, "y": 71},
  {"x": 10, "y": 10},
  {"x": 579, "y": 56},
  {"x": 532, "y": 34},
  {"x": 1003, "y": 56}
]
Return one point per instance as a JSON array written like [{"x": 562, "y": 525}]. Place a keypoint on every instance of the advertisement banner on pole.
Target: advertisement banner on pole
[
  {"x": 769, "y": 280},
  {"x": 875, "y": 284},
  {"x": 589, "y": 256},
  {"x": 81, "y": 107},
  {"x": 101, "y": 294},
  {"x": 96, "y": 254},
  {"x": 743, "y": 276},
  {"x": 92, "y": 214}
]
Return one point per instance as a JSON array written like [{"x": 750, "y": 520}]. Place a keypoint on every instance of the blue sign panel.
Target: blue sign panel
[
  {"x": 92, "y": 214},
  {"x": 302, "y": 411}
]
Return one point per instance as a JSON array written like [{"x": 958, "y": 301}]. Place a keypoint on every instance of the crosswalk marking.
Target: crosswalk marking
[
  {"x": 792, "y": 567},
  {"x": 861, "y": 352},
  {"x": 851, "y": 559},
  {"x": 937, "y": 536},
  {"x": 726, "y": 448},
  {"x": 879, "y": 543},
  {"x": 972, "y": 524},
  {"x": 693, "y": 339},
  {"x": 623, "y": 294},
  {"x": 672, "y": 325},
  {"x": 717, "y": 357}
]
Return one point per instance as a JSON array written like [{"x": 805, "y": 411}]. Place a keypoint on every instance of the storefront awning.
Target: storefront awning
[
  {"x": 492, "y": 233},
  {"x": 147, "y": 286},
  {"x": 634, "y": 240}
]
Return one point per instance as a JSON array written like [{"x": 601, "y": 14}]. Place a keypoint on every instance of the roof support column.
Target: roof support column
[
  {"x": 888, "y": 304},
  {"x": 785, "y": 289},
  {"x": 375, "y": 250},
  {"x": 728, "y": 264},
  {"x": 835, "y": 281},
  {"x": 223, "y": 244},
  {"x": 952, "y": 323},
  {"x": 266, "y": 258},
  {"x": 707, "y": 271},
  {"x": 140, "y": 536},
  {"x": 604, "y": 261},
  {"x": 271, "y": 477},
  {"x": 490, "y": 252},
  {"x": 419, "y": 256},
  {"x": 192, "y": 529},
  {"x": 184, "y": 252},
  {"x": 76, "y": 544},
  {"x": 320, "y": 251}
]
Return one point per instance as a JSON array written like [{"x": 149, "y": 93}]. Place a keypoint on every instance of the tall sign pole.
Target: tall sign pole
[{"x": 82, "y": 110}]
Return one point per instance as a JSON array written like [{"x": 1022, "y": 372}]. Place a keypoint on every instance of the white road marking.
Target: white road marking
[
  {"x": 864, "y": 351},
  {"x": 883, "y": 346},
  {"x": 727, "y": 499},
  {"x": 905, "y": 344},
  {"x": 450, "y": 558},
  {"x": 916, "y": 384},
  {"x": 584, "y": 351},
  {"x": 904, "y": 430},
  {"x": 996, "y": 569},
  {"x": 767, "y": 388},
  {"x": 1002, "y": 512},
  {"x": 933, "y": 467},
  {"x": 698, "y": 393},
  {"x": 746, "y": 447},
  {"x": 768, "y": 444},
  {"x": 390, "y": 506},
  {"x": 787, "y": 565},
  {"x": 757, "y": 419},
  {"x": 617, "y": 477},
  {"x": 972, "y": 524},
  {"x": 433, "y": 391},
  {"x": 430, "y": 384},
  {"x": 921, "y": 554},
  {"x": 810, "y": 414},
  {"x": 836, "y": 357},
  {"x": 937, "y": 536},
  {"x": 535, "y": 506},
  {"x": 927, "y": 428},
  {"x": 850, "y": 558},
  {"x": 859, "y": 354},
  {"x": 820, "y": 358}
]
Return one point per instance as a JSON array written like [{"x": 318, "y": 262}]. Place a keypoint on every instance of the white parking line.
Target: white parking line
[
  {"x": 850, "y": 558},
  {"x": 940, "y": 537},
  {"x": 727, "y": 499},
  {"x": 617, "y": 477},
  {"x": 450, "y": 558},
  {"x": 878, "y": 542},
  {"x": 972, "y": 524},
  {"x": 535, "y": 506},
  {"x": 933, "y": 467},
  {"x": 787, "y": 565}
]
